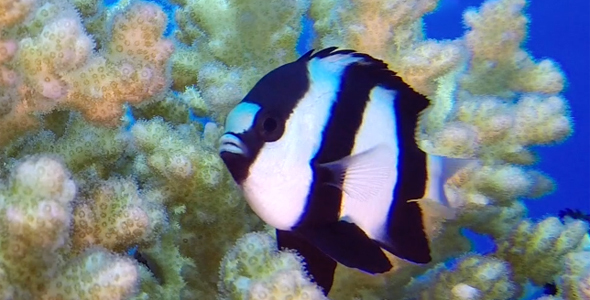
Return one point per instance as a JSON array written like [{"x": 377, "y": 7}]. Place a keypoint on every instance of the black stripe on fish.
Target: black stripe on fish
[
  {"x": 345, "y": 118},
  {"x": 280, "y": 90},
  {"x": 320, "y": 223},
  {"x": 405, "y": 227},
  {"x": 331, "y": 51},
  {"x": 405, "y": 231}
]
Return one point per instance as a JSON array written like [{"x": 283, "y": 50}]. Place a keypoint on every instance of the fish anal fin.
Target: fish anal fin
[
  {"x": 319, "y": 266},
  {"x": 349, "y": 245}
]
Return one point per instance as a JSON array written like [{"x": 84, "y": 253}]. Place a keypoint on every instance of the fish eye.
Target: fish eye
[
  {"x": 269, "y": 124},
  {"x": 270, "y": 128}
]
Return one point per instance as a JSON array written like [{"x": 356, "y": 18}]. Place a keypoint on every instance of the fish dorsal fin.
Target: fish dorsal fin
[
  {"x": 331, "y": 51},
  {"x": 412, "y": 102},
  {"x": 361, "y": 176}
]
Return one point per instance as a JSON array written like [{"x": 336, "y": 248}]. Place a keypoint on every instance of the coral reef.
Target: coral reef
[
  {"x": 255, "y": 269},
  {"x": 101, "y": 151},
  {"x": 37, "y": 261}
]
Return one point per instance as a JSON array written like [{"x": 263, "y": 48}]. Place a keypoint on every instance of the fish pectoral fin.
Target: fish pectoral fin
[
  {"x": 349, "y": 245},
  {"x": 361, "y": 176},
  {"x": 320, "y": 267}
]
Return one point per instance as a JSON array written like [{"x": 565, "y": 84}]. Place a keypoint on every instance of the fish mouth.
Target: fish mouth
[{"x": 232, "y": 144}]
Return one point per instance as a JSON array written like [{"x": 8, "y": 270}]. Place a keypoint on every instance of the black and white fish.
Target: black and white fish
[{"x": 324, "y": 151}]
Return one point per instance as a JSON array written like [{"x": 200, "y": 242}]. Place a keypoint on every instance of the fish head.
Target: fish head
[
  {"x": 247, "y": 128},
  {"x": 261, "y": 119},
  {"x": 266, "y": 144},
  {"x": 265, "y": 160}
]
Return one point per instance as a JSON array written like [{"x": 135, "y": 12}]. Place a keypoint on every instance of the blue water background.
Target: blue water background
[{"x": 559, "y": 30}]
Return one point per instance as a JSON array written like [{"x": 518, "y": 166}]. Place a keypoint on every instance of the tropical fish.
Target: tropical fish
[{"x": 324, "y": 150}]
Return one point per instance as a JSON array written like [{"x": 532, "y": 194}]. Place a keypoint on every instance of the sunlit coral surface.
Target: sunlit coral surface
[{"x": 109, "y": 121}]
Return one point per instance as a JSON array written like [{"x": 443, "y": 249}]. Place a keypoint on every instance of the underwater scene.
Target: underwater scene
[{"x": 294, "y": 149}]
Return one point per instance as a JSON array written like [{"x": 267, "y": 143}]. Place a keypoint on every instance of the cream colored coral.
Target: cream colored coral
[
  {"x": 35, "y": 216},
  {"x": 170, "y": 154},
  {"x": 389, "y": 30},
  {"x": 14, "y": 11},
  {"x": 182, "y": 163},
  {"x": 495, "y": 185},
  {"x": 116, "y": 216},
  {"x": 131, "y": 70},
  {"x": 97, "y": 274},
  {"x": 266, "y": 33},
  {"x": 61, "y": 47},
  {"x": 82, "y": 145},
  {"x": 473, "y": 277},
  {"x": 536, "y": 251},
  {"x": 574, "y": 283},
  {"x": 35, "y": 259},
  {"x": 233, "y": 43},
  {"x": 255, "y": 269},
  {"x": 491, "y": 128},
  {"x": 38, "y": 211},
  {"x": 56, "y": 65},
  {"x": 497, "y": 31}
]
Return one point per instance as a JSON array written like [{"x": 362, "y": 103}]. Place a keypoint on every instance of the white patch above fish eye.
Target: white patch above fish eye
[{"x": 241, "y": 118}]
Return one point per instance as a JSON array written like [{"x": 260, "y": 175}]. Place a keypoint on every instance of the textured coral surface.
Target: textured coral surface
[{"x": 109, "y": 121}]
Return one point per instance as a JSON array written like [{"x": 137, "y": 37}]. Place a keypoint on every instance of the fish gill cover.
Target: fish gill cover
[{"x": 82, "y": 182}]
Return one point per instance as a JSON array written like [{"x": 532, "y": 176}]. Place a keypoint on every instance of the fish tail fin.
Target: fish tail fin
[
  {"x": 414, "y": 222},
  {"x": 440, "y": 171}
]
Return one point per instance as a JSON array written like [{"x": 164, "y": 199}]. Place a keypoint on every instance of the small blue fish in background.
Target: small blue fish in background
[{"x": 324, "y": 151}]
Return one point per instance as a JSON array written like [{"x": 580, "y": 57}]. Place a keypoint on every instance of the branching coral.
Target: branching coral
[
  {"x": 226, "y": 61},
  {"x": 536, "y": 251},
  {"x": 472, "y": 277},
  {"x": 390, "y": 30},
  {"x": 36, "y": 261},
  {"x": 255, "y": 269},
  {"x": 82, "y": 182},
  {"x": 49, "y": 63},
  {"x": 575, "y": 282},
  {"x": 182, "y": 163},
  {"x": 116, "y": 216}
]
